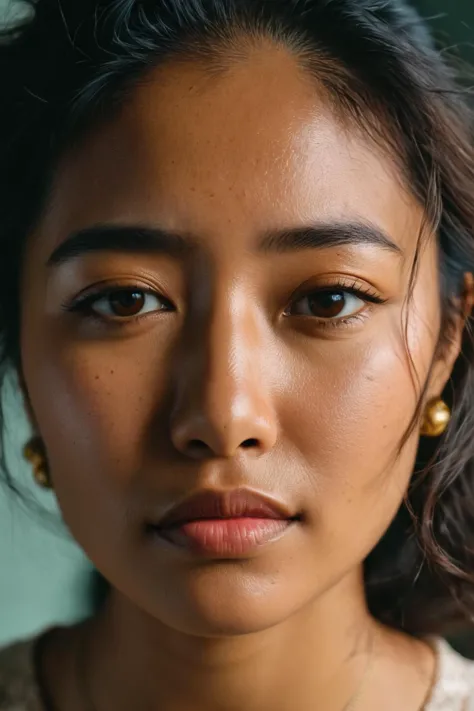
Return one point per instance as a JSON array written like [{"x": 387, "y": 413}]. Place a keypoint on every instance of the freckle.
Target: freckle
[
  {"x": 211, "y": 195},
  {"x": 97, "y": 377},
  {"x": 112, "y": 372}
]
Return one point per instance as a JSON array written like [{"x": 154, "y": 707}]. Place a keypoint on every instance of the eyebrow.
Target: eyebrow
[{"x": 129, "y": 238}]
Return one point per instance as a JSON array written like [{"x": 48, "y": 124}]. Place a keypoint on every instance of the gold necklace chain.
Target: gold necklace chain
[
  {"x": 354, "y": 700},
  {"x": 89, "y": 704}
]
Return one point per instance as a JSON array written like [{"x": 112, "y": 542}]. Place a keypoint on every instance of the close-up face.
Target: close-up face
[{"x": 217, "y": 295}]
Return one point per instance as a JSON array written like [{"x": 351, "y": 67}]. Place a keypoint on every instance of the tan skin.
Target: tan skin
[{"x": 241, "y": 355}]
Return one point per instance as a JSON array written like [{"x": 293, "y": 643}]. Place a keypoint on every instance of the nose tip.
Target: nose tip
[{"x": 200, "y": 437}]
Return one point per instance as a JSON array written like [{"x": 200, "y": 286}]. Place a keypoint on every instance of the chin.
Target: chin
[{"x": 222, "y": 603}]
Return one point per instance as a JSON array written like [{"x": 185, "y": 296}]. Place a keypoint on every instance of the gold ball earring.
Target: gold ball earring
[
  {"x": 35, "y": 453},
  {"x": 436, "y": 418}
]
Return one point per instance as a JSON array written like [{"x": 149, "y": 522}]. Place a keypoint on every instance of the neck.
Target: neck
[{"x": 315, "y": 658}]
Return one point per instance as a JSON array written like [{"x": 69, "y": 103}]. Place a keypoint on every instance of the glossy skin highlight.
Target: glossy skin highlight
[{"x": 234, "y": 383}]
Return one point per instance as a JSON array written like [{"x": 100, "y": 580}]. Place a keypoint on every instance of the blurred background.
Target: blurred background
[{"x": 44, "y": 578}]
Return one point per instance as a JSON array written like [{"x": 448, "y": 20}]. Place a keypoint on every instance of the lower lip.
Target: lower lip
[{"x": 226, "y": 537}]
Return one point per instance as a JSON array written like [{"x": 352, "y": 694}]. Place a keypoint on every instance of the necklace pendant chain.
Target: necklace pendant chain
[{"x": 354, "y": 700}]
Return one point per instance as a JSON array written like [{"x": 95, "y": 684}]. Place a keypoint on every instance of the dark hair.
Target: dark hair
[{"x": 70, "y": 65}]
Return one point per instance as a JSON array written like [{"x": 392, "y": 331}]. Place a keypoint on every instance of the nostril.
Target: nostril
[
  {"x": 249, "y": 443},
  {"x": 197, "y": 444},
  {"x": 199, "y": 448}
]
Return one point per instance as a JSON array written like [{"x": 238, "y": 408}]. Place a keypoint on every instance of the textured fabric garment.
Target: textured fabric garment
[
  {"x": 18, "y": 687},
  {"x": 454, "y": 686},
  {"x": 452, "y": 691}
]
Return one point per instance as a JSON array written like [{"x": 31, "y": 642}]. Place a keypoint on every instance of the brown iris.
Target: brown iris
[
  {"x": 126, "y": 303},
  {"x": 326, "y": 304}
]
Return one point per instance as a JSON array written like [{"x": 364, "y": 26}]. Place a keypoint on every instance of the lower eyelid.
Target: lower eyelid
[
  {"x": 364, "y": 298},
  {"x": 313, "y": 322},
  {"x": 345, "y": 320}
]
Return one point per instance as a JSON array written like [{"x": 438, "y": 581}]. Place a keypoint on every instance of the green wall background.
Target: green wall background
[{"x": 44, "y": 578}]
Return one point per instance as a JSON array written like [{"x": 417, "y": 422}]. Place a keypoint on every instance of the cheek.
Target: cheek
[
  {"x": 359, "y": 401},
  {"x": 104, "y": 415},
  {"x": 357, "y": 405}
]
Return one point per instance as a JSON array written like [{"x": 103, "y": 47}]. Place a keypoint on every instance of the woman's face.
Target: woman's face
[{"x": 232, "y": 365}]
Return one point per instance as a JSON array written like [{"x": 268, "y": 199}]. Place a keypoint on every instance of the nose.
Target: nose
[{"x": 222, "y": 405}]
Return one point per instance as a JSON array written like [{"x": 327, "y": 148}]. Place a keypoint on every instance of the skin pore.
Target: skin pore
[{"x": 233, "y": 345}]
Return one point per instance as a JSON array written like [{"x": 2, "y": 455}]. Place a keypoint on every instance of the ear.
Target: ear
[{"x": 451, "y": 344}]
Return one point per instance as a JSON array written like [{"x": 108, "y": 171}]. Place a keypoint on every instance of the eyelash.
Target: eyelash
[{"x": 83, "y": 304}]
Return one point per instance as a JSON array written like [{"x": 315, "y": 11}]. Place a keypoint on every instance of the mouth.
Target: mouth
[{"x": 224, "y": 524}]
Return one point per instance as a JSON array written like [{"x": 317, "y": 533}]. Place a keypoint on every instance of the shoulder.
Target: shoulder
[
  {"x": 454, "y": 684},
  {"x": 18, "y": 687}
]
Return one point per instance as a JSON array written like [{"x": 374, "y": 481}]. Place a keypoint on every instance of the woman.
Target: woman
[{"x": 238, "y": 246}]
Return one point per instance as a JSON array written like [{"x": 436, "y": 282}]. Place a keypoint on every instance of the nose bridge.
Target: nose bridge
[{"x": 221, "y": 401}]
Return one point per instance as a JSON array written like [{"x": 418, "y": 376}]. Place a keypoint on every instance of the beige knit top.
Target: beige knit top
[{"x": 453, "y": 690}]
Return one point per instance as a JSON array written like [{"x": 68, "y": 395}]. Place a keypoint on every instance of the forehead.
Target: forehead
[{"x": 249, "y": 148}]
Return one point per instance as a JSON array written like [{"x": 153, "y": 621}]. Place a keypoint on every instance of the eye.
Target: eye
[
  {"x": 328, "y": 304},
  {"x": 126, "y": 303}
]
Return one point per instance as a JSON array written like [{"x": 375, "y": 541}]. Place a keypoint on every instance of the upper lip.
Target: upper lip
[{"x": 235, "y": 503}]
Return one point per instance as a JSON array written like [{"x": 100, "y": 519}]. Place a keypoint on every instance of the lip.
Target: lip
[
  {"x": 231, "y": 504},
  {"x": 226, "y": 537}
]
